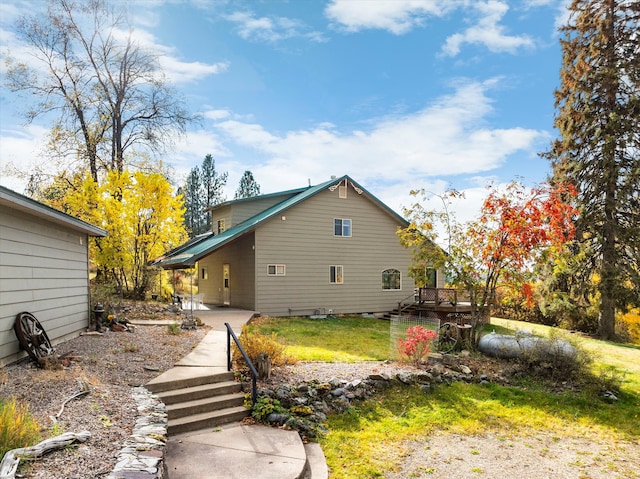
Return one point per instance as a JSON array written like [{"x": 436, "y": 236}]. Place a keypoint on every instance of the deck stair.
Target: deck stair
[{"x": 201, "y": 402}]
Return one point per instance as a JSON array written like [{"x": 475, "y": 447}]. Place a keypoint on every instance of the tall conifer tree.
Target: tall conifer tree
[
  {"x": 598, "y": 149},
  {"x": 248, "y": 186},
  {"x": 204, "y": 188}
]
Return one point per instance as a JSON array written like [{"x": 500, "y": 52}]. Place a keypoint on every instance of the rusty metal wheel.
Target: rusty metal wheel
[
  {"x": 447, "y": 337},
  {"x": 32, "y": 336}
]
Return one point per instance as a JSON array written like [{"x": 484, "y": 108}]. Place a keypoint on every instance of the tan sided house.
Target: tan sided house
[
  {"x": 44, "y": 270},
  {"x": 325, "y": 249}
]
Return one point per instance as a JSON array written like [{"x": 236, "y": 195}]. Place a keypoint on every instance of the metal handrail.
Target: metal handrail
[{"x": 252, "y": 368}]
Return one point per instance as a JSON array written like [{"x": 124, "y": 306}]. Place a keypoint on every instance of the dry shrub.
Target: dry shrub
[
  {"x": 18, "y": 428},
  {"x": 558, "y": 357},
  {"x": 255, "y": 343}
]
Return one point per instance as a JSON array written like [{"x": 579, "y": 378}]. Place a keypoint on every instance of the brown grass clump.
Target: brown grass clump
[{"x": 255, "y": 343}]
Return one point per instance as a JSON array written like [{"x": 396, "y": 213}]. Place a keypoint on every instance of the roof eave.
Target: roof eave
[{"x": 25, "y": 204}]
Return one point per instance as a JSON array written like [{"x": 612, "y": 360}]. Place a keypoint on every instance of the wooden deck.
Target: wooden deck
[{"x": 443, "y": 303}]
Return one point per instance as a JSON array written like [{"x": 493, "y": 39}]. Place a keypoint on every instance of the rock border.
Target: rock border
[{"x": 142, "y": 456}]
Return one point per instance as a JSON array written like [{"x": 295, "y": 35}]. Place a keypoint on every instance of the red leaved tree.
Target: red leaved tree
[{"x": 516, "y": 224}]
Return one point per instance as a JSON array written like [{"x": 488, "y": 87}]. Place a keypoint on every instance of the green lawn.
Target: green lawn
[
  {"x": 347, "y": 339},
  {"x": 367, "y": 440},
  {"x": 623, "y": 358}
]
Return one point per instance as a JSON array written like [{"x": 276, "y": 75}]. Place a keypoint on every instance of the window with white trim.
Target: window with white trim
[
  {"x": 276, "y": 269},
  {"x": 341, "y": 227},
  {"x": 221, "y": 226},
  {"x": 336, "y": 274},
  {"x": 391, "y": 279}
]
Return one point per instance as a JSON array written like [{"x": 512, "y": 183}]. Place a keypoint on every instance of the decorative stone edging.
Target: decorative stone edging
[{"x": 142, "y": 456}]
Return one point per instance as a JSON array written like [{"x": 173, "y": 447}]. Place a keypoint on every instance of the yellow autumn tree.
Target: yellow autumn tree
[{"x": 143, "y": 219}]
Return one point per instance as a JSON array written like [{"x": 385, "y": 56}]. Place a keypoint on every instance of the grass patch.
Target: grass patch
[
  {"x": 609, "y": 358},
  {"x": 368, "y": 440},
  {"x": 347, "y": 339}
]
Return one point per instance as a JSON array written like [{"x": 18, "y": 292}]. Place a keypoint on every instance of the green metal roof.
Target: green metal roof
[{"x": 186, "y": 255}]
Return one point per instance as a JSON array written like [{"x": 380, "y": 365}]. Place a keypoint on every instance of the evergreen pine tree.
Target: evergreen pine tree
[
  {"x": 248, "y": 186},
  {"x": 598, "y": 149}
]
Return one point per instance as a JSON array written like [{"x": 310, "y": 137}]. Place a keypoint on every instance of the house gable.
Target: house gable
[{"x": 304, "y": 243}]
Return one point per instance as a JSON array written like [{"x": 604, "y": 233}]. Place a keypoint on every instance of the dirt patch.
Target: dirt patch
[{"x": 540, "y": 456}]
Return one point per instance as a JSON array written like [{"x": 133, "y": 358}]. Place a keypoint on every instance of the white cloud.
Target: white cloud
[
  {"x": 183, "y": 72},
  {"x": 396, "y": 16},
  {"x": 175, "y": 69},
  {"x": 401, "y": 16},
  {"x": 447, "y": 138},
  {"x": 271, "y": 29},
  {"x": 21, "y": 150},
  {"x": 563, "y": 14},
  {"x": 488, "y": 32},
  {"x": 216, "y": 114}
]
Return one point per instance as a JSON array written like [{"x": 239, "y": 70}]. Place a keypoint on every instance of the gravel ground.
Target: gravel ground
[
  {"x": 502, "y": 453},
  {"x": 115, "y": 361},
  {"x": 111, "y": 364}
]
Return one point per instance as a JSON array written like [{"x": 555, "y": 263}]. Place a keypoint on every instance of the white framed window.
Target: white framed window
[
  {"x": 336, "y": 274},
  {"x": 391, "y": 279},
  {"x": 276, "y": 270},
  {"x": 221, "y": 227},
  {"x": 205, "y": 273},
  {"x": 341, "y": 227}
]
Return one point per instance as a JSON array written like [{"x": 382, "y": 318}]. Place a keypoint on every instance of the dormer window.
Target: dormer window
[{"x": 220, "y": 226}]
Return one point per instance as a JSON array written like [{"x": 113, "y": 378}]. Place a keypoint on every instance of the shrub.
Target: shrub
[
  {"x": 255, "y": 343},
  {"x": 18, "y": 428},
  {"x": 417, "y": 344},
  {"x": 557, "y": 357},
  {"x": 628, "y": 326},
  {"x": 173, "y": 328},
  {"x": 265, "y": 406}
]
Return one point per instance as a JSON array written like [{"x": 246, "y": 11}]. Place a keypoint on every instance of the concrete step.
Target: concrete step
[
  {"x": 316, "y": 464},
  {"x": 199, "y": 392},
  {"x": 204, "y": 405},
  {"x": 180, "y": 378},
  {"x": 206, "y": 420}
]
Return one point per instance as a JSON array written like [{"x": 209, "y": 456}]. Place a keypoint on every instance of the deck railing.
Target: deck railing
[
  {"x": 437, "y": 296},
  {"x": 252, "y": 368},
  {"x": 433, "y": 298}
]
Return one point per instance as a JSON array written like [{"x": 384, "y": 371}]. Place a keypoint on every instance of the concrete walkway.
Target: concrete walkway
[{"x": 233, "y": 451}]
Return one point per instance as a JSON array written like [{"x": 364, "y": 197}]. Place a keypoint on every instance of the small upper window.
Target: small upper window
[
  {"x": 341, "y": 227},
  {"x": 205, "y": 273},
  {"x": 276, "y": 269},
  {"x": 391, "y": 279},
  {"x": 220, "y": 226},
  {"x": 336, "y": 274}
]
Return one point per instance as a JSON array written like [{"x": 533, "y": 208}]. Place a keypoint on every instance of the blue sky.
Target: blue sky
[{"x": 398, "y": 94}]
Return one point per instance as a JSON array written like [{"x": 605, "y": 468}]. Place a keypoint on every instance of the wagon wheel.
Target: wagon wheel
[
  {"x": 447, "y": 337},
  {"x": 32, "y": 336}
]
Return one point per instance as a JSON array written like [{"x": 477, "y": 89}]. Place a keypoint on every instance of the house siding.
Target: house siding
[
  {"x": 243, "y": 210},
  {"x": 304, "y": 241},
  {"x": 239, "y": 255},
  {"x": 43, "y": 270}
]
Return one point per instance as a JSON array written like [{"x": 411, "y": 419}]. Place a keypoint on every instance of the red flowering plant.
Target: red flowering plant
[{"x": 417, "y": 344}]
